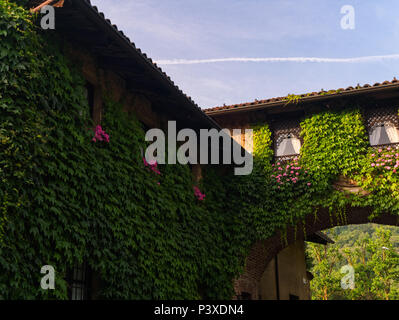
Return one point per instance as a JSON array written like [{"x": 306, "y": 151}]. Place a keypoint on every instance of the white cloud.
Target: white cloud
[{"x": 287, "y": 59}]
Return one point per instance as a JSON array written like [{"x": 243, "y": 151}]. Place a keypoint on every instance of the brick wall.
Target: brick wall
[
  {"x": 263, "y": 252},
  {"x": 108, "y": 83}
]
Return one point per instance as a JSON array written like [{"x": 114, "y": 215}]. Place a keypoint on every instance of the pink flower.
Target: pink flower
[
  {"x": 100, "y": 135},
  {"x": 198, "y": 194},
  {"x": 153, "y": 165},
  {"x": 309, "y": 184},
  {"x": 373, "y": 164}
]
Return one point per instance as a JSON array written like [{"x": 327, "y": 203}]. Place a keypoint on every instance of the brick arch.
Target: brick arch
[{"x": 262, "y": 252}]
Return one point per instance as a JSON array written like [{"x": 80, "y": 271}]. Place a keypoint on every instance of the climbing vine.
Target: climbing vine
[
  {"x": 72, "y": 192},
  {"x": 335, "y": 146}
]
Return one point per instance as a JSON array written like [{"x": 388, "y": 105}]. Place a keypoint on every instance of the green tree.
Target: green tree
[
  {"x": 374, "y": 259},
  {"x": 376, "y": 267},
  {"x": 326, "y": 282}
]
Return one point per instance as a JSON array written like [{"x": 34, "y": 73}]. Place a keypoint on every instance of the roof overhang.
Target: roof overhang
[
  {"x": 320, "y": 237},
  {"x": 281, "y": 105},
  {"x": 82, "y": 24}
]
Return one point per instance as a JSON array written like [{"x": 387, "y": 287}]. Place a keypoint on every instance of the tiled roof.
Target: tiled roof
[{"x": 303, "y": 97}]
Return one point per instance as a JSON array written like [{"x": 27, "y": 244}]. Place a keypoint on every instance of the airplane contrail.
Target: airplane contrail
[{"x": 288, "y": 59}]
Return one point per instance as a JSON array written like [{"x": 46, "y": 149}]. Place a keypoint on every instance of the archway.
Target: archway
[{"x": 262, "y": 252}]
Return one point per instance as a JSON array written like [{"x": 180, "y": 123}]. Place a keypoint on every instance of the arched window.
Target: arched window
[
  {"x": 288, "y": 145},
  {"x": 384, "y": 133}
]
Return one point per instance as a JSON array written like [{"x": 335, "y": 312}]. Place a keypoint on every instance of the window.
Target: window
[
  {"x": 79, "y": 281},
  {"x": 382, "y": 125},
  {"x": 288, "y": 145},
  {"x": 384, "y": 133},
  {"x": 90, "y": 98}
]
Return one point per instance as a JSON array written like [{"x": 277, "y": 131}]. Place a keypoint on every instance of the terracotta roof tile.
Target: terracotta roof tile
[{"x": 302, "y": 96}]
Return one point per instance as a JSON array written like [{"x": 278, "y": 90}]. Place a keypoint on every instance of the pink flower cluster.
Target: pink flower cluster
[
  {"x": 100, "y": 135},
  {"x": 152, "y": 165},
  {"x": 289, "y": 173},
  {"x": 387, "y": 159},
  {"x": 198, "y": 194}
]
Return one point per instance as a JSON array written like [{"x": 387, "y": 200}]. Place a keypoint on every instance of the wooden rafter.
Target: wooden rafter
[{"x": 48, "y": 2}]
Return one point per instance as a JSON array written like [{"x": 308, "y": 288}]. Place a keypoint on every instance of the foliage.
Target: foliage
[
  {"x": 335, "y": 145},
  {"x": 375, "y": 262},
  {"x": 290, "y": 175},
  {"x": 292, "y": 98},
  {"x": 327, "y": 278},
  {"x": 66, "y": 199},
  {"x": 378, "y": 175},
  {"x": 346, "y": 236},
  {"x": 262, "y": 144}
]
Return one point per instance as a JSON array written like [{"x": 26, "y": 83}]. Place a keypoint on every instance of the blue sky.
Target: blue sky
[{"x": 217, "y": 29}]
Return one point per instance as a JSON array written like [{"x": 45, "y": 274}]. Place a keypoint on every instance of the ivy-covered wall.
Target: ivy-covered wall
[
  {"x": 65, "y": 198},
  {"x": 335, "y": 146}
]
